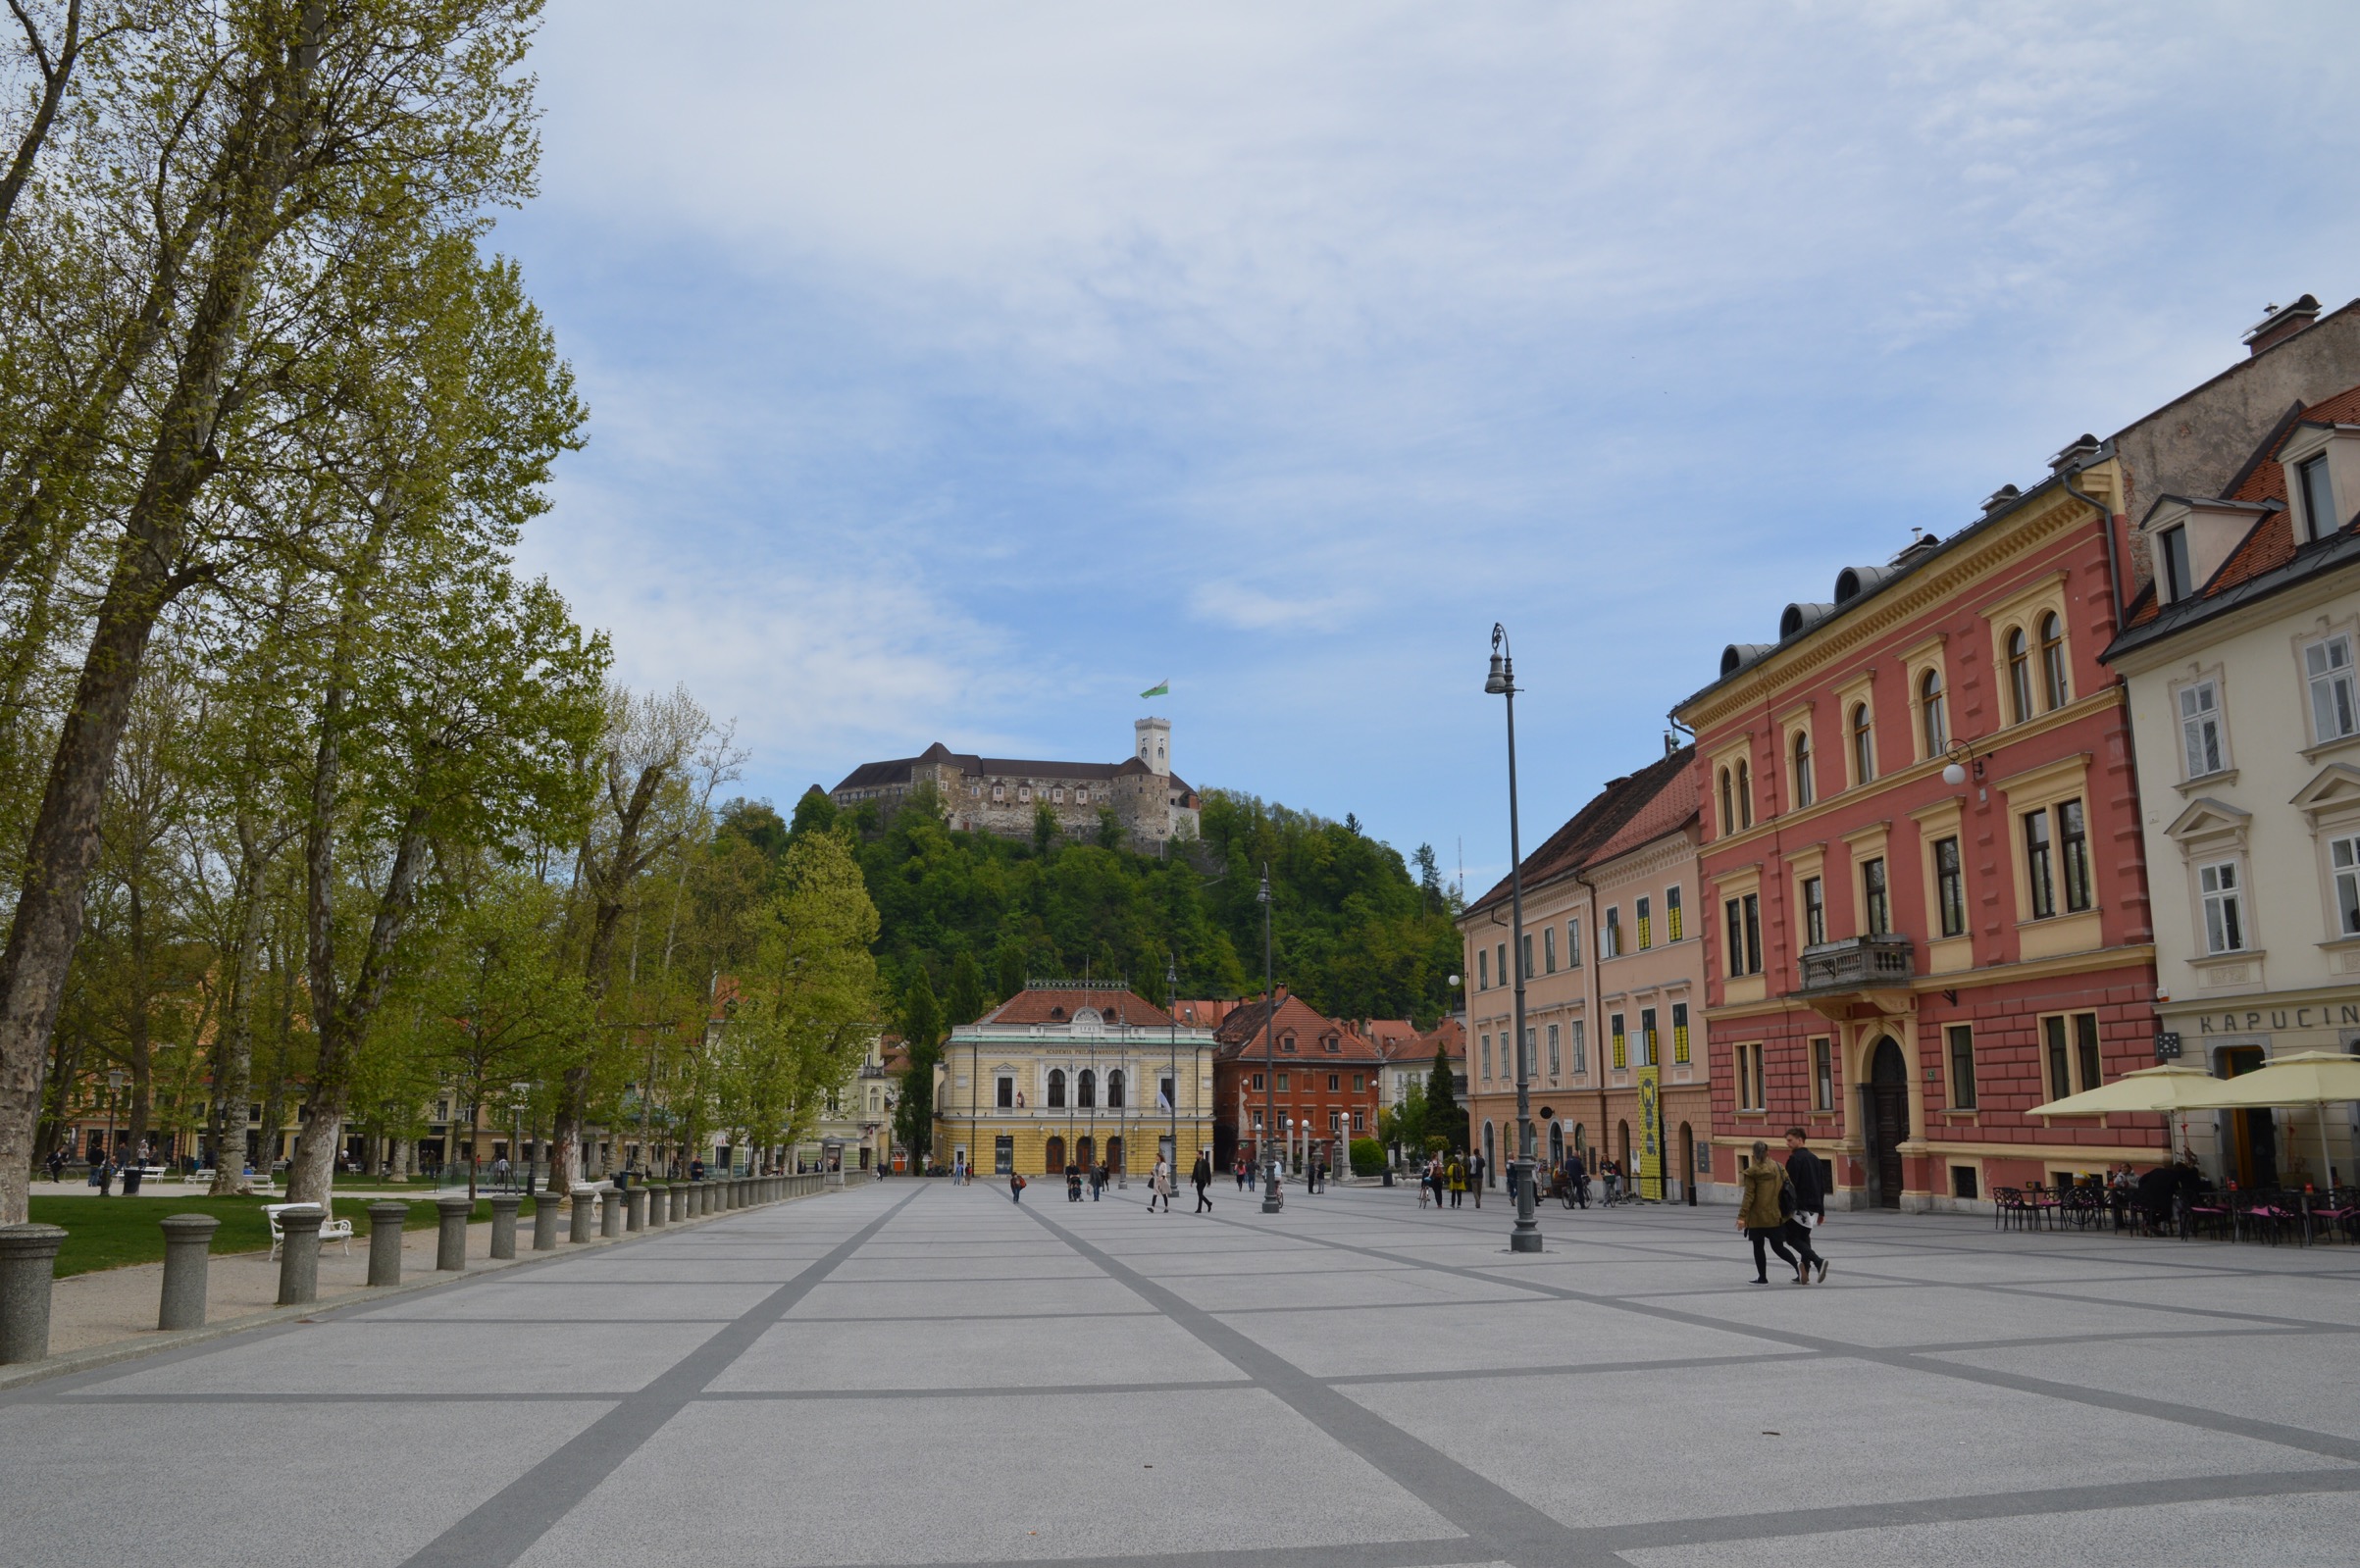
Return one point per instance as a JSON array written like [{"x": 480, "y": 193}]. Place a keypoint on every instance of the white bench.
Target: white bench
[{"x": 330, "y": 1229}]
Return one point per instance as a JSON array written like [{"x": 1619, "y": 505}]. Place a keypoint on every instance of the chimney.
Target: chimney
[
  {"x": 2078, "y": 452},
  {"x": 2282, "y": 322}
]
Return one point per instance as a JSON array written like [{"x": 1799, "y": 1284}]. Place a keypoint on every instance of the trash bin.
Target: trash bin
[{"x": 130, "y": 1180}]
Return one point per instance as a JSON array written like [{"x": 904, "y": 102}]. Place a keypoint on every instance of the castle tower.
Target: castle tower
[{"x": 1155, "y": 745}]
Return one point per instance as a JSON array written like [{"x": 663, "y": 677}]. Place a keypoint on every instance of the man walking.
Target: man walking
[
  {"x": 1203, "y": 1176},
  {"x": 1809, "y": 1176}
]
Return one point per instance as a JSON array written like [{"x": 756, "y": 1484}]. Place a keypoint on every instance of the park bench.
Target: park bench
[{"x": 330, "y": 1229}]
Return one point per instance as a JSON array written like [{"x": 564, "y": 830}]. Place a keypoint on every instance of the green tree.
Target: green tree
[
  {"x": 922, "y": 1040},
  {"x": 965, "y": 1004},
  {"x": 1444, "y": 1118}
]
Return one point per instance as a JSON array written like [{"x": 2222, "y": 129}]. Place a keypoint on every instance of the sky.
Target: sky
[{"x": 957, "y": 371}]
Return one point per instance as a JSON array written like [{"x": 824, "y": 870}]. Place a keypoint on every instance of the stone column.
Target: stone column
[
  {"x": 384, "y": 1241},
  {"x": 545, "y": 1222},
  {"x": 658, "y": 1205},
  {"x": 187, "y": 1249},
  {"x": 28, "y": 1264},
  {"x": 450, "y": 1247},
  {"x": 610, "y": 1214},
  {"x": 299, "y": 1253},
  {"x": 503, "y": 1223},
  {"x": 634, "y": 1208},
  {"x": 585, "y": 1212}
]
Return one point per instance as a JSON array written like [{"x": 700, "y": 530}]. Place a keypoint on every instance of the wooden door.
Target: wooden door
[
  {"x": 1052, "y": 1157},
  {"x": 1889, "y": 1119}
]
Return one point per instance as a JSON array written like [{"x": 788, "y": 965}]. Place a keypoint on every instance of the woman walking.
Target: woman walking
[
  {"x": 1458, "y": 1180},
  {"x": 1762, "y": 1216},
  {"x": 1203, "y": 1176},
  {"x": 1160, "y": 1186}
]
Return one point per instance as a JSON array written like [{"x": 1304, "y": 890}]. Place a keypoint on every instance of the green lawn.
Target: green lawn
[{"x": 109, "y": 1232}]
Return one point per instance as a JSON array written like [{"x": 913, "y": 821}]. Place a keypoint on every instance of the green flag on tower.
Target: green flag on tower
[{"x": 1161, "y": 689}]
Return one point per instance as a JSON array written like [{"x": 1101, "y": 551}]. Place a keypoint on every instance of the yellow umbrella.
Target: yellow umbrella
[
  {"x": 2167, "y": 1088},
  {"x": 2299, "y": 1078}
]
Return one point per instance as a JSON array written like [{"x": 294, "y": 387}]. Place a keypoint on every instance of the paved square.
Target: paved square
[{"x": 907, "y": 1374}]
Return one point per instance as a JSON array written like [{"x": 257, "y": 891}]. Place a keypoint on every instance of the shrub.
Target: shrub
[{"x": 1368, "y": 1157}]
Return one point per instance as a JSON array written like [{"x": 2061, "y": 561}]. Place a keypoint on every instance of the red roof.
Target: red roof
[
  {"x": 1058, "y": 1004},
  {"x": 1597, "y": 829},
  {"x": 1242, "y": 1033},
  {"x": 1204, "y": 1013}
]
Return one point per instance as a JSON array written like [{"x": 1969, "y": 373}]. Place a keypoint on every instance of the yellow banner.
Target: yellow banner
[{"x": 1648, "y": 1178}]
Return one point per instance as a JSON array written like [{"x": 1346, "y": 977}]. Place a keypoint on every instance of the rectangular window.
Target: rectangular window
[
  {"x": 2224, "y": 896},
  {"x": 1258, "y": 1083},
  {"x": 2319, "y": 499},
  {"x": 2178, "y": 580},
  {"x": 2073, "y": 847},
  {"x": 1572, "y": 944},
  {"x": 1880, "y": 908},
  {"x": 2344, "y": 860},
  {"x": 1734, "y": 909},
  {"x": 1360, "y": 1121},
  {"x": 1360, "y": 1083},
  {"x": 1646, "y": 924},
  {"x": 1815, "y": 912},
  {"x": 2335, "y": 711},
  {"x": 1647, "y": 1038},
  {"x": 1752, "y": 1083},
  {"x": 1555, "y": 1061},
  {"x": 1671, "y": 915},
  {"x": 1008, "y": 1093},
  {"x": 1482, "y": 969},
  {"x": 1962, "y": 1067},
  {"x": 2039, "y": 871},
  {"x": 1752, "y": 933},
  {"x": 1622, "y": 1056},
  {"x": 1530, "y": 1062},
  {"x": 1335, "y": 1083},
  {"x": 1282, "y": 1086},
  {"x": 1487, "y": 1058},
  {"x": 1950, "y": 887},
  {"x": 1501, "y": 954},
  {"x": 2085, "y": 1050},
  {"x": 2200, "y": 729},
  {"x": 2061, "y": 1072},
  {"x": 1004, "y": 1154},
  {"x": 1822, "y": 1073},
  {"x": 1679, "y": 1033},
  {"x": 1581, "y": 1047},
  {"x": 1613, "y": 940},
  {"x": 1527, "y": 957},
  {"x": 1549, "y": 950}
]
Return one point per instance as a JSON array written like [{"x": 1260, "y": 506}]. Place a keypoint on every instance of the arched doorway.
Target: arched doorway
[
  {"x": 1623, "y": 1151},
  {"x": 1491, "y": 1161},
  {"x": 1085, "y": 1152},
  {"x": 1688, "y": 1163},
  {"x": 1114, "y": 1156},
  {"x": 1580, "y": 1145},
  {"x": 1052, "y": 1157},
  {"x": 1888, "y": 1121},
  {"x": 1556, "y": 1143}
]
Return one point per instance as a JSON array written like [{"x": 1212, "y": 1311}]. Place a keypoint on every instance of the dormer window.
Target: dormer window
[
  {"x": 2318, "y": 496},
  {"x": 2172, "y": 549},
  {"x": 1286, "y": 1042}
]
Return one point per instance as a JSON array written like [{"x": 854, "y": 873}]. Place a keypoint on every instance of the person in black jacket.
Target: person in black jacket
[{"x": 1810, "y": 1179}]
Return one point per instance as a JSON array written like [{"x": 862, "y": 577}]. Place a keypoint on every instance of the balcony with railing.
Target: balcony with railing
[{"x": 1856, "y": 964}]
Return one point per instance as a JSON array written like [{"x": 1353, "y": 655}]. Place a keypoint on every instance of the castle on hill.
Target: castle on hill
[{"x": 1003, "y": 795}]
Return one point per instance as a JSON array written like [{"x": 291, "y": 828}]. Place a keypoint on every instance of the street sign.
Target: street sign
[{"x": 2167, "y": 1046}]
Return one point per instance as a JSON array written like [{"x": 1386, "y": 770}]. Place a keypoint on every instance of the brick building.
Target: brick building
[
  {"x": 1323, "y": 1083},
  {"x": 1006, "y": 795}
]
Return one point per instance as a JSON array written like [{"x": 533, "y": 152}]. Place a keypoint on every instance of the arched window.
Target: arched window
[
  {"x": 2019, "y": 675},
  {"x": 1728, "y": 805},
  {"x": 1930, "y": 716},
  {"x": 1745, "y": 796},
  {"x": 1087, "y": 1084},
  {"x": 1863, "y": 745},
  {"x": 2052, "y": 660},
  {"x": 1803, "y": 782},
  {"x": 1114, "y": 1090},
  {"x": 1057, "y": 1089}
]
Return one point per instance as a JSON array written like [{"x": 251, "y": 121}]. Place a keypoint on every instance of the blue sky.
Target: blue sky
[{"x": 958, "y": 371}]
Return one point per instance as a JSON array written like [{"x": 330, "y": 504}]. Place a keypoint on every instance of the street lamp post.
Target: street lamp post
[
  {"x": 106, "y": 1186},
  {"x": 1271, "y": 1202},
  {"x": 1171, "y": 998},
  {"x": 1502, "y": 683}
]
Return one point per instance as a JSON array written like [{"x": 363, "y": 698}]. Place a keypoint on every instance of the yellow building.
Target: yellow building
[{"x": 1065, "y": 1071}]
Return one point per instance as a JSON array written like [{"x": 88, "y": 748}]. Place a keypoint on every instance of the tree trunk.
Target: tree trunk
[{"x": 233, "y": 1063}]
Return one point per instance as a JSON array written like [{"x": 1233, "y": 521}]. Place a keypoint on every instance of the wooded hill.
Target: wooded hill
[{"x": 1356, "y": 931}]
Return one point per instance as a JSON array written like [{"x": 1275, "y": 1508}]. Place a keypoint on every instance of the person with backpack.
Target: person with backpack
[
  {"x": 1763, "y": 1209},
  {"x": 1015, "y": 1188},
  {"x": 1807, "y": 1177}
]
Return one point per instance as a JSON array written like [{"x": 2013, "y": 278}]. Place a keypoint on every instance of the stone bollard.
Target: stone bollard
[
  {"x": 450, "y": 1247},
  {"x": 28, "y": 1264},
  {"x": 704, "y": 1197},
  {"x": 188, "y": 1250},
  {"x": 545, "y": 1222},
  {"x": 299, "y": 1253},
  {"x": 657, "y": 1205},
  {"x": 585, "y": 1213},
  {"x": 386, "y": 1221},
  {"x": 610, "y": 1214},
  {"x": 680, "y": 1201},
  {"x": 738, "y": 1191},
  {"x": 634, "y": 1208},
  {"x": 503, "y": 1223}
]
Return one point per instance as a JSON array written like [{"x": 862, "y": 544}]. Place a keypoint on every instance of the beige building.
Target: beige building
[
  {"x": 2240, "y": 656},
  {"x": 1614, "y": 988}
]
